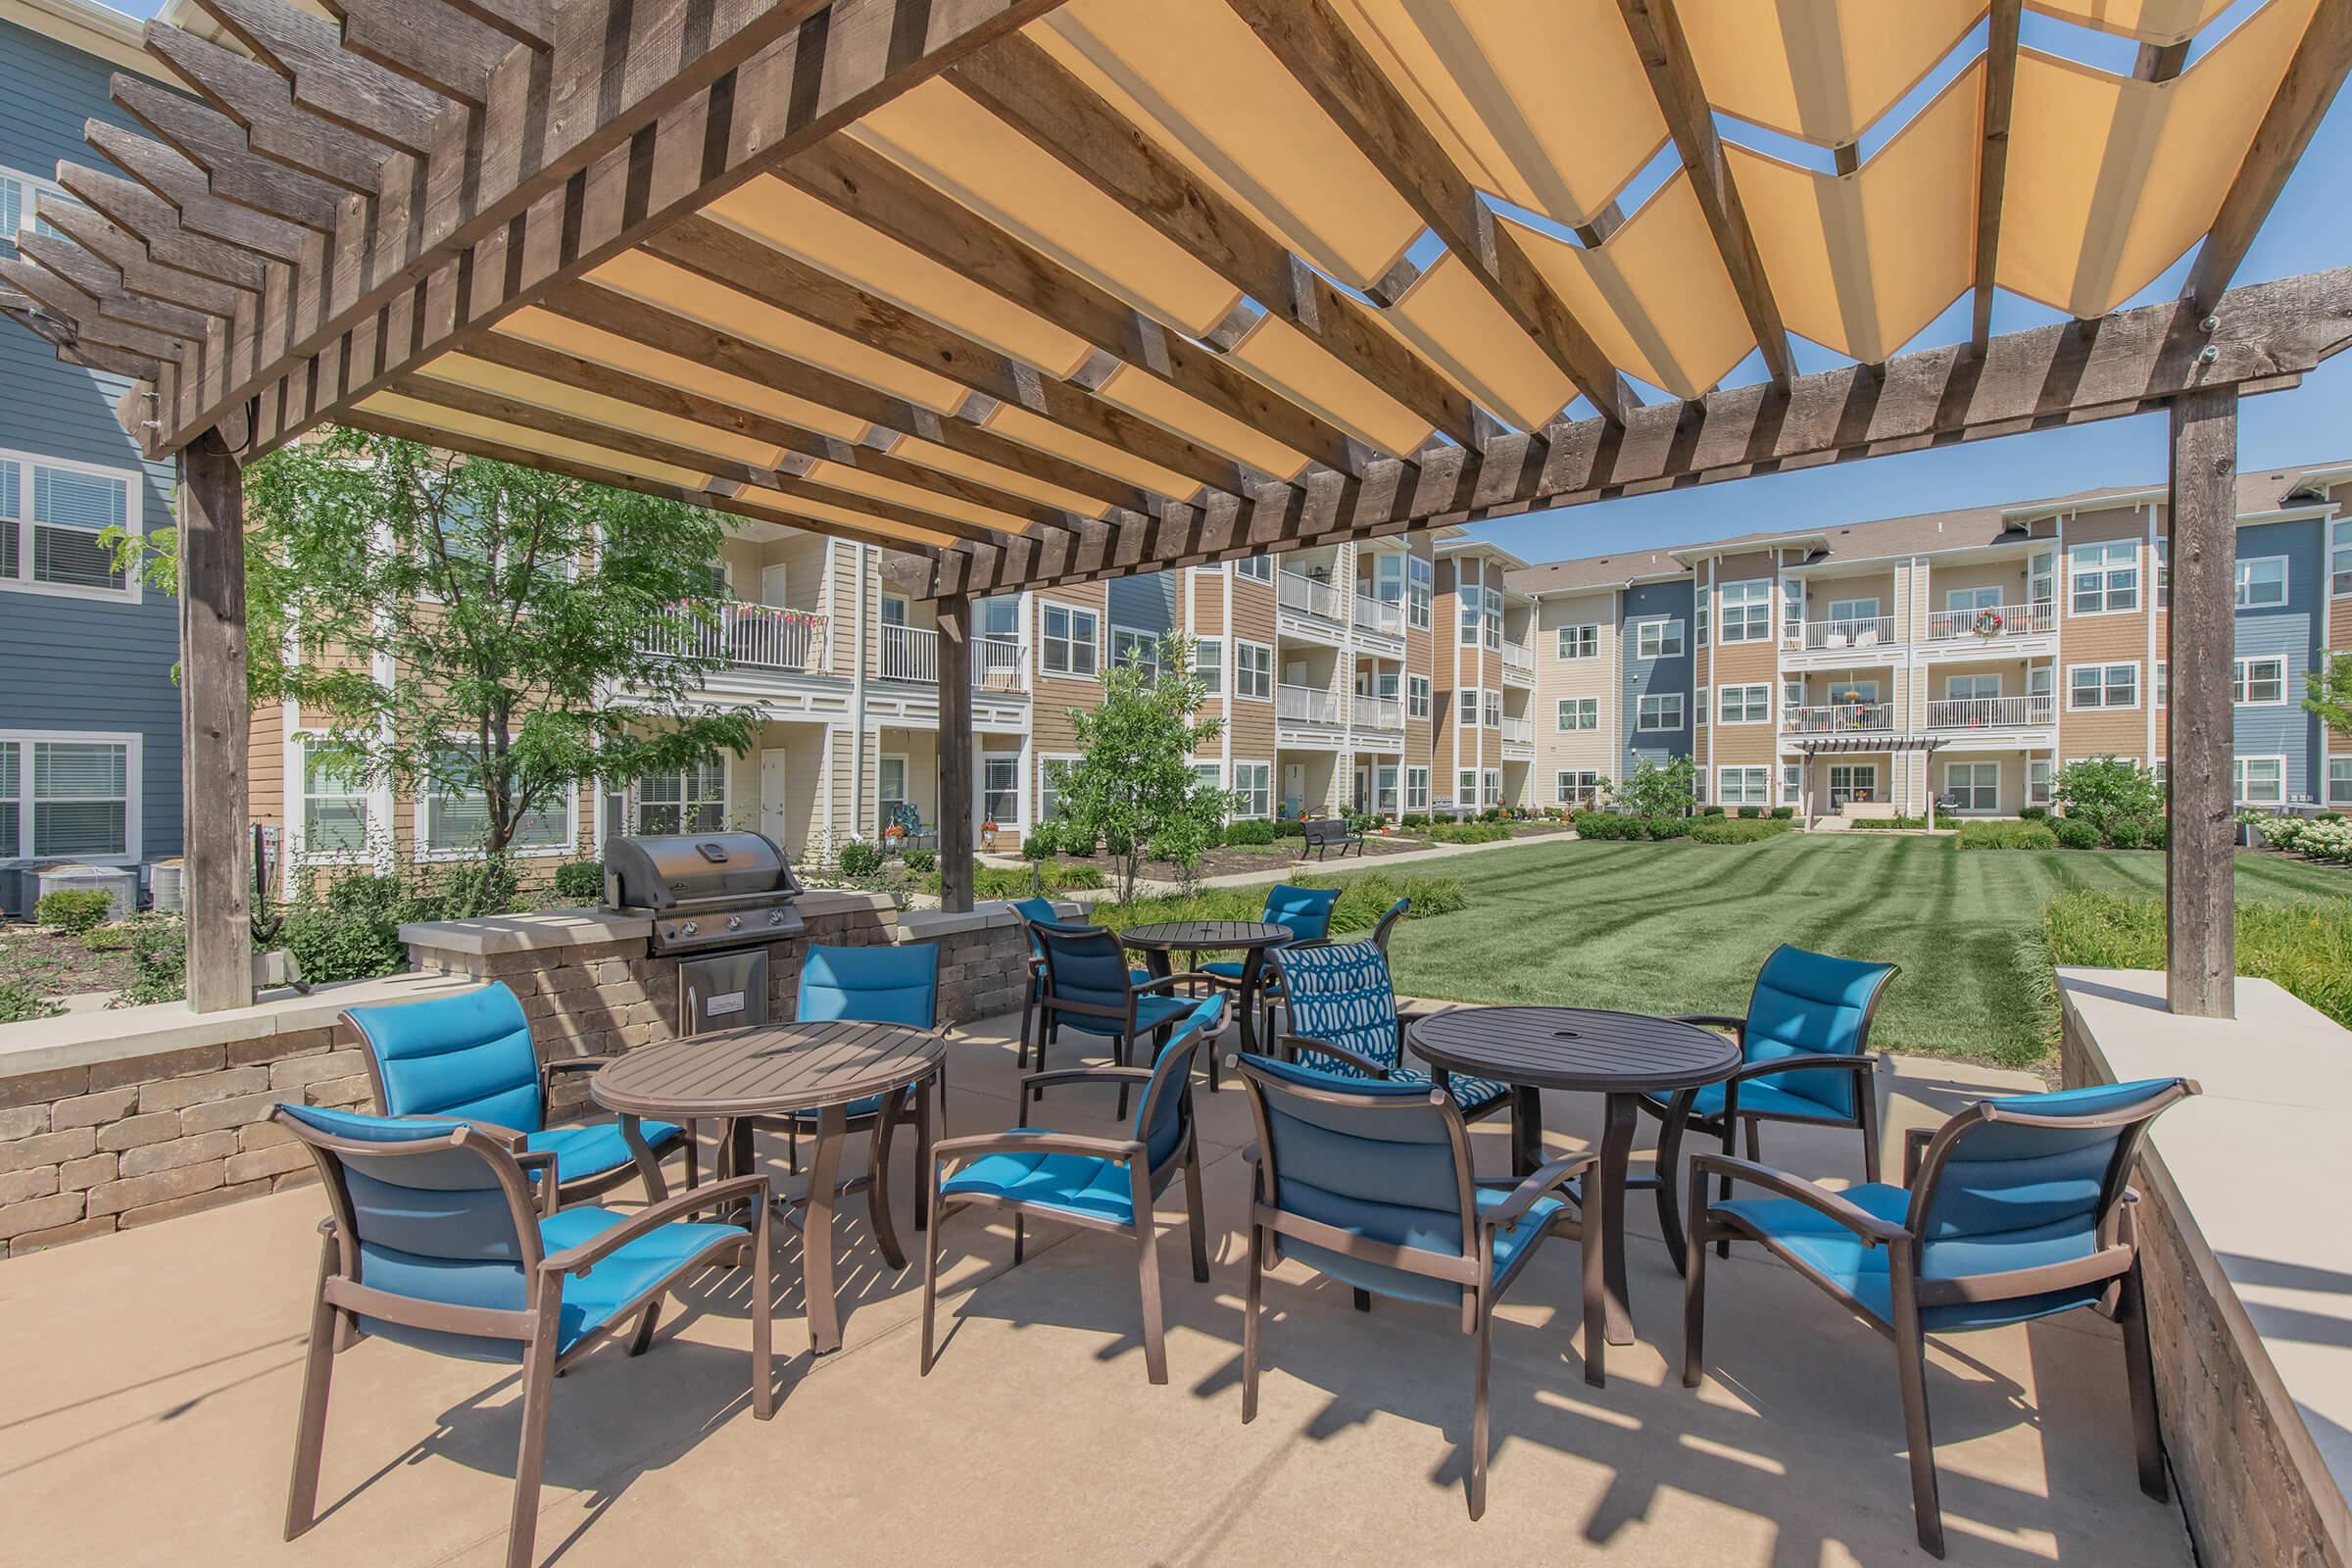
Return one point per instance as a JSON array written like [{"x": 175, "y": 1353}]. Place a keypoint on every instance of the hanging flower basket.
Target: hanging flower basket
[{"x": 1989, "y": 623}]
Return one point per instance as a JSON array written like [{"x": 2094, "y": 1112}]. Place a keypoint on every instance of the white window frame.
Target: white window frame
[
  {"x": 1746, "y": 613},
  {"x": 2340, "y": 558},
  {"x": 134, "y": 484},
  {"x": 1957, "y": 601},
  {"x": 1465, "y": 788},
  {"x": 1952, "y": 683},
  {"x": 2339, "y": 781},
  {"x": 1747, "y": 784},
  {"x": 1585, "y": 711},
  {"x": 2103, "y": 560},
  {"x": 1642, "y": 711},
  {"x": 1420, "y": 592},
  {"x": 1416, "y": 789},
  {"x": 422, "y": 825},
  {"x": 726, "y": 784},
  {"x": 1048, "y": 796},
  {"x": 134, "y": 759},
  {"x": 1208, "y": 664},
  {"x": 2241, "y": 681},
  {"x": 2106, "y": 680},
  {"x": 1139, "y": 645},
  {"x": 980, "y": 789},
  {"x": 1467, "y": 707},
  {"x": 1702, "y": 706},
  {"x": 1248, "y": 806},
  {"x": 1491, "y": 706},
  {"x": 34, "y": 187},
  {"x": 1753, "y": 703},
  {"x": 1652, "y": 637},
  {"x": 1243, "y": 677},
  {"x": 1793, "y": 782},
  {"x": 1416, "y": 696},
  {"x": 2040, "y": 771},
  {"x": 298, "y": 806},
  {"x": 1973, "y": 765},
  {"x": 1491, "y": 792},
  {"x": 1569, "y": 784},
  {"x": 2240, "y": 766},
  {"x": 1254, "y": 568},
  {"x": 1582, "y": 641},
  {"x": 1070, "y": 641},
  {"x": 2246, "y": 566},
  {"x": 1849, "y": 611}
]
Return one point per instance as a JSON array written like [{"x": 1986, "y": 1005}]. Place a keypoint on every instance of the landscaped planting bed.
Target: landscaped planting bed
[{"x": 2306, "y": 946}]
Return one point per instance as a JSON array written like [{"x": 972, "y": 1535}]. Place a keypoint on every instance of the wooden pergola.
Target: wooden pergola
[{"x": 1041, "y": 292}]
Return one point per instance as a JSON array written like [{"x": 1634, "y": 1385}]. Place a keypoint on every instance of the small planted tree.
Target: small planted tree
[
  {"x": 2329, "y": 694},
  {"x": 2107, "y": 791},
  {"x": 1655, "y": 791},
  {"x": 1133, "y": 786}
]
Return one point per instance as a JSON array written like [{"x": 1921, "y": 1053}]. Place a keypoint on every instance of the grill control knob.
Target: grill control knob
[
  {"x": 734, "y": 922},
  {"x": 775, "y": 918},
  {"x": 688, "y": 929}
]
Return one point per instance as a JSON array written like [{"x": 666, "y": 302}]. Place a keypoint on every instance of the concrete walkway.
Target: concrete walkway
[{"x": 1278, "y": 867}]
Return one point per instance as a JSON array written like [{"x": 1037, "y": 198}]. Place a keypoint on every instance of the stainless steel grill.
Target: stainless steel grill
[{"x": 704, "y": 890}]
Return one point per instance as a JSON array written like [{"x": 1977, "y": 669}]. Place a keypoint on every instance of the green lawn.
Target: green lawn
[{"x": 1672, "y": 927}]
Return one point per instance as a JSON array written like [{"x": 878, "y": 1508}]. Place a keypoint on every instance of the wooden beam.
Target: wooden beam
[
  {"x": 262, "y": 101},
  {"x": 93, "y": 277},
  {"x": 86, "y": 313},
  {"x": 217, "y": 144},
  {"x": 28, "y": 314},
  {"x": 216, "y": 719},
  {"x": 1657, "y": 35},
  {"x": 128, "y": 255},
  {"x": 140, "y": 212},
  {"x": 531, "y": 22},
  {"x": 1992, "y": 163},
  {"x": 1317, "y": 48},
  {"x": 1036, "y": 95},
  {"x": 956, "y": 874},
  {"x": 330, "y": 80},
  {"x": 2200, "y": 864},
  {"x": 2317, "y": 68},
  {"x": 439, "y": 47},
  {"x": 2263, "y": 336},
  {"x": 183, "y": 186}
]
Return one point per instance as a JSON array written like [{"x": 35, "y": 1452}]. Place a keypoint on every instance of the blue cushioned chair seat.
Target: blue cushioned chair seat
[
  {"x": 1225, "y": 969},
  {"x": 1075, "y": 1184},
  {"x": 1861, "y": 1271},
  {"x": 597, "y": 1147},
  {"x": 1150, "y": 1012},
  {"x": 870, "y": 1106},
  {"x": 1769, "y": 1099},
  {"x": 591, "y": 1300}
]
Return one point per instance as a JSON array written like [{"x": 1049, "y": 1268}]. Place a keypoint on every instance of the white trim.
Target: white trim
[
  {"x": 1724, "y": 770},
  {"x": 1721, "y": 597},
  {"x": 1097, "y": 641},
  {"x": 421, "y": 835},
  {"x": 134, "y": 490},
  {"x": 2238, "y": 774},
  {"x": 2238, "y": 581},
  {"x": 1720, "y": 692},
  {"x": 2241, "y": 680},
  {"x": 1562, "y": 728},
  {"x": 2103, "y": 705},
  {"x": 1233, "y": 778},
  {"x": 2139, "y": 583},
  {"x": 1681, "y": 638},
  {"x": 1235, "y": 675},
  {"x": 134, "y": 747},
  {"x": 294, "y": 814}
]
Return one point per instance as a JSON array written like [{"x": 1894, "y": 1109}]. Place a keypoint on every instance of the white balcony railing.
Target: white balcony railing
[
  {"x": 753, "y": 636},
  {"x": 1309, "y": 597},
  {"x": 1841, "y": 718},
  {"x": 1993, "y": 712},
  {"x": 1863, "y": 631},
  {"x": 1992, "y": 623},
  {"x": 1518, "y": 730},
  {"x": 1379, "y": 712},
  {"x": 1518, "y": 659},
  {"x": 1000, "y": 665},
  {"x": 912, "y": 653},
  {"x": 1306, "y": 704},
  {"x": 1379, "y": 616}
]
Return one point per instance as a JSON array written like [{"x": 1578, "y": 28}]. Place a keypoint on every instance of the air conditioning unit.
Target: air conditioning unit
[
  {"x": 120, "y": 882},
  {"x": 167, "y": 883}
]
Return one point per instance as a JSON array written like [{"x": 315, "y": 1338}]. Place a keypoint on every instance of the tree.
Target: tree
[
  {"x": 509, "y": 610},
  {"x": 2328, "y": 697},
  {"x": 2106, "y": 790},
  {"x": 1655, "y": 791},
  {"x": 1133, "y": 784}
]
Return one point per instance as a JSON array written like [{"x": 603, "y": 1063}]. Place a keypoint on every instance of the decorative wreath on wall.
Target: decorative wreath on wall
[{"x": 1989, "y": 623}]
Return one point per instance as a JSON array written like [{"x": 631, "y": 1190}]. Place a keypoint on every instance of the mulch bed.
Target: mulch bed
[{"x": 55, "y": 965}]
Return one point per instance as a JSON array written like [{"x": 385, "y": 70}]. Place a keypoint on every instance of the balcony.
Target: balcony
[
  {"x": 1306, "y": 704},
  {"x": 749, "y": 636},
  {"x": 1841, "y": 718},
  {"x": 1992, "y": 625},
  {"x": 1309, "y": 596},
  {"x": 1519, "y": 664},
  {"x": 1993, "y": 712},
  {"x": 1379, "y": 616},
  {"x": 1825, "y": 636},
  {"x": 912, "y": 653},
  {"x": 1385, "y": 713},
  {"x": 1518, "y": 731}
]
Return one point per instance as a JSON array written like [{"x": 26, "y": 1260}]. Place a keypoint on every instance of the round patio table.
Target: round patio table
[
  {"x": 1252, "y": 939},
  {"x": 1622, "y": 1055},
  {"x": 740, "y": 1076}
]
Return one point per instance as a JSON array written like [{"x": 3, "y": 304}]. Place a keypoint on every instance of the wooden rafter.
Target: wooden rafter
[
  {"x": 128, "y": 256},
  {"x": 262, "y": 101},
  {"x": 1315, "y": 46},
  {"x": 217, "y": 145},
  {"x": 182, "y": 186},
  {"x": 102, "y": 282},
  {"x": 1992, "y": 163},
  {"x": 1657, "y": 35},
  {"x": 135, "y": 209}
]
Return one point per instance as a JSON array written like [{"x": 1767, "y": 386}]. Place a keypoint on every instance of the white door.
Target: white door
[
  {"x": 775, "y": 798},
  {"x": 1293, "y": 786},
  {"x": 772, "y": 584}
]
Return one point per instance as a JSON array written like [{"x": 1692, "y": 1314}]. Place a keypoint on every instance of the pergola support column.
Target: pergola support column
[
  {"x": 216, "y": 720},
  {"x": 2200, "y": 641},
  {"x": 956, "y": 863}
]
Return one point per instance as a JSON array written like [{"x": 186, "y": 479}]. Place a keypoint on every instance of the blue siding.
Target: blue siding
[
  {"x": 1655, "y": 677},
  {"x": 69, "y": 664},
  {"x": 2293, "y": 631},
  {"x": 1144, "y": 603}
]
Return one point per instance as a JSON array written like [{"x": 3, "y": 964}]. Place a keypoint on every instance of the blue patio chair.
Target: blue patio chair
[
  {"x": 897, "y": 983},
  {"x": 1030, "y": 912},
  {"x": 1089, "y": 987},
  {"x": 2014, "y": 1210},
  {"x": 437, "y": 1241},
  {"x": 1368, "y": 1181},
  {"x": 1307, "y": 912},
  {"x": 1338, "y": 1011},
  {"x": 1098, "y": 1184},
  {"x": 470, "y": 1057},
  {"x": 1387, "y": 923},
  {"x": 1804, "y": 1045}
]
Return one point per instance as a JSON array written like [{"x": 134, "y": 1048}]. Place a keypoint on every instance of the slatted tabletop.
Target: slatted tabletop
[
  {"x": 1205, "y": 936},
  {"x": 1574, "y": 1048},
  {"x": 767, "y": 1070}
]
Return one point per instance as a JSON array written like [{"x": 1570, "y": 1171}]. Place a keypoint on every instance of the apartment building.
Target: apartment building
[{"x": 1959, "y": 655}]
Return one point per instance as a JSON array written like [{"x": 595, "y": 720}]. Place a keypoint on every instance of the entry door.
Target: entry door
[
  {"x": 1294, "y": 785},
  {"x": 772, "y": 584},
  {"x": 1364, "y": 787},
  {"x": 775, "y": 797}
]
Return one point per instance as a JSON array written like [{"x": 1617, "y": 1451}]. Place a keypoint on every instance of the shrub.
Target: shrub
[
  {"x": 476, "y": 888},
  {"x": 2105, "y": 790},
  {"x": 1479, "y": 832},
  {"x": 2126, "y": 833},
  {"x": 1886, "y": 824},
  {"x": 1666, "y": 827},
  {"x": 74, "y": 909},
  {"x": 859, "y": 858},
  {"x": 1710, "y": 810},
  {"x": 1784, "y": 813},
  {"x": 921, "y": 860},
  {"x": 2033, "y": 813},
  {"x": 159, "y": 956},
  {"x": 1041, "y": 842},
  {"x": 2159, "y": 832},
  {"x": 580, "y": 882},
  {"x": 2010, "y": 836},
  {"x": 1253, "y": 830},
  {"x": 1751, "y": 812},
  {"x": 1415, "y": 819},
  {"x": 1289, "y": 827},
  {"x": 2305, "y": 947},
  {"x": 1742, "y": 830},
  {"x": 113, "y": 937},
  {"x": 349, "y": 928},
  {"x": 2074, "y": 833},
  {"x": 21, "y": 1004}
]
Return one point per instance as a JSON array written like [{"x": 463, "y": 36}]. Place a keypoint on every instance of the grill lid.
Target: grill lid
[{"x": 664, "y": 871}]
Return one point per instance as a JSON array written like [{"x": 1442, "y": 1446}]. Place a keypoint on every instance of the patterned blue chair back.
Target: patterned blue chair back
[
  {"x": 1807, "y": 1003},
  {"x": 1085, "y": 964},
  {"x": 2027, "y": 1181},
  {"x": 897, "y": 984},
  {"x": 1341, "y": 993},
  {"x": 465, "y": 1055},
  {"x": 1165, "y": 1114},
  {"x": 437, "y": 1221},
  {"x": 1305, "y": 910},
  {"x": 1390, "y": 1165}
]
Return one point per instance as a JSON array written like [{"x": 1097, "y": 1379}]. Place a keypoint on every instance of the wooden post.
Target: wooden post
[
  {"x": 956, "y": 864},
  {"x": 215, "y": 720},
  {"x": 2200, "y": 641}
]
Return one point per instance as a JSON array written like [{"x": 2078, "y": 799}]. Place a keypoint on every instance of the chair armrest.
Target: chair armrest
[
  {"x": 1915, "y": 1150},
  {"x": 1811, "y": 1062},
  {"x": 1544, "y": 1179},
  {"x": 1324, "y": 1047},
  {"x": 581, "y": 1258},
  {"x": 510, "y": 1138},
  {"x": 1193, "y": 976},
  {"x": 1819, "y": 1199},
  {"x": 1710, "y": 1020},
  {"x": 577, "y": 1063},
  {"x": 1033, "y": 1081},
  {"x": 1025, "y": 1140}
]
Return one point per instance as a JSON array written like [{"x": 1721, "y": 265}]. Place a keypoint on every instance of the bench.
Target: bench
[{"x": 1322, "y": 837}]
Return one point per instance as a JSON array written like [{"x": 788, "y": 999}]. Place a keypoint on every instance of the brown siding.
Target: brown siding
[{"x": 2114, "y": 638}]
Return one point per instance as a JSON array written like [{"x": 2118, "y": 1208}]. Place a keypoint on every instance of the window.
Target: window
[
  {"x": 2038, "y": 772},
  {"x": 1254, "y": 789},
  {"x": 334, "y": 802},
  {"x": 2102, "y": 686},
  {"x": 1660, "y": 713},
  {"x": 2260, "y": 680},
  {"x": 1254, "y": 568},
  {"x": 1416, "y": 789},
  {"x": 1494, "y": 793},
  {"x": 1576, "y": 787},
  {"x": 998, "y": 618},
  {"x": 1742, "y": 786},
  {"x": 1416, "y": 696},
  {"x": 2164, "y": 683},
  {"x": 1072, "y": 637},
  {"x": 51, "y": 515},
  {"x": 2258, "y": 780},
  {"x": 1704, "y": 705},
  {"x": 1704, "y": 605},
  {"x": 1383, "y": 788},
  {"x": 1746, "y": 704},
  {"x": 1658, "y": 639},
  {"x": 2040, "y": 680},
  {"x": 1969, "y": 688},
  {"x": 890, "y": 789},
  {"x": 1420, "y": 584},
  {"x": 2261, "y": 582},
  {"x": 2339, "y": 781},
  {"x": 1747, "y": 612},
  {"x": 1973, "y": 786},
  {"x": 2339, "y": 558},
  {"x": 1580, "y": 642},
  {"x": 67, "y": 798},
  {"x": 2106, "y": 577},
  {"x": 1494, "y": 708},
  {"x": 457, "y": 819},
  {"x": 694, "y": 801},
  {"x": 1465, "y": 706},
  {"x": 1000, "y": 787},
  {"x": 2164, "y": 573},
  {"x": 1852, "y": 781},
  {"x": 1469, "y": 611},
  {"x": 1049, "y": 786},
  {"x": 1208, "y": 666},
  {"x": 1960, "y": 600},
  {"x": 1578, "y": 713},
  {"x": 1388, "y": 580},
  {"x": 1253, "y": 672},
  {"x": 1793, "y": 611},
  {"x": 1699, "y": 785},
  {"x": 1493, "y": 618},
  {"x": 1139, "y": 647},
  {"x": 1793, "y": 782},
  {"x": 22, "y": 199},
  {"x": 1792, "y": 695}
]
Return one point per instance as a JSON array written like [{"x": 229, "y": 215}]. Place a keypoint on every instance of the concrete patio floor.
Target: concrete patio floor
[{"x": 150, "y": 1379}]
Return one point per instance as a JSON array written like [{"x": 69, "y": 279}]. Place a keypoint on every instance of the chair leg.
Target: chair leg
[
  {"x": 647, "y": 1321},
  {"x": 925, "y": 1134},
  {"x": 1866, "y": 1094},
  {"x": 1594, "y": 1264},
  {"x": 1723, "y": 1184},
  {"x": 2140, "y": 1371},
  {"x": 1250, "y": 1317},
  {"x": 310, "y": 1428},
  {"x": 1695, "y": 1290},
  {"x": 1911, "y": 1368},
  {"x": 764, "y": 1313},
  {"x": 690, "y": 1139},
  {"x": 1147, "y": 1279},
  {"x": 791, "y": 1145},
  {"x": 530, "y": 1462},
  {"x": 1196, "y": 1219},
  {"x": 1021, "y": 1055},
  {"x": 1480, "y": 1378},
  {"x": 1755, "y": 1138},
  {"x": 939, "y": 1222},
  {"x": 1364, "y": 1301}
]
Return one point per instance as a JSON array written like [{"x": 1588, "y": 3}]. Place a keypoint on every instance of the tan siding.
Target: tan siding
[
  {"x": 1557, "y": 678},
  {"x": 266, "y": 766}
]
